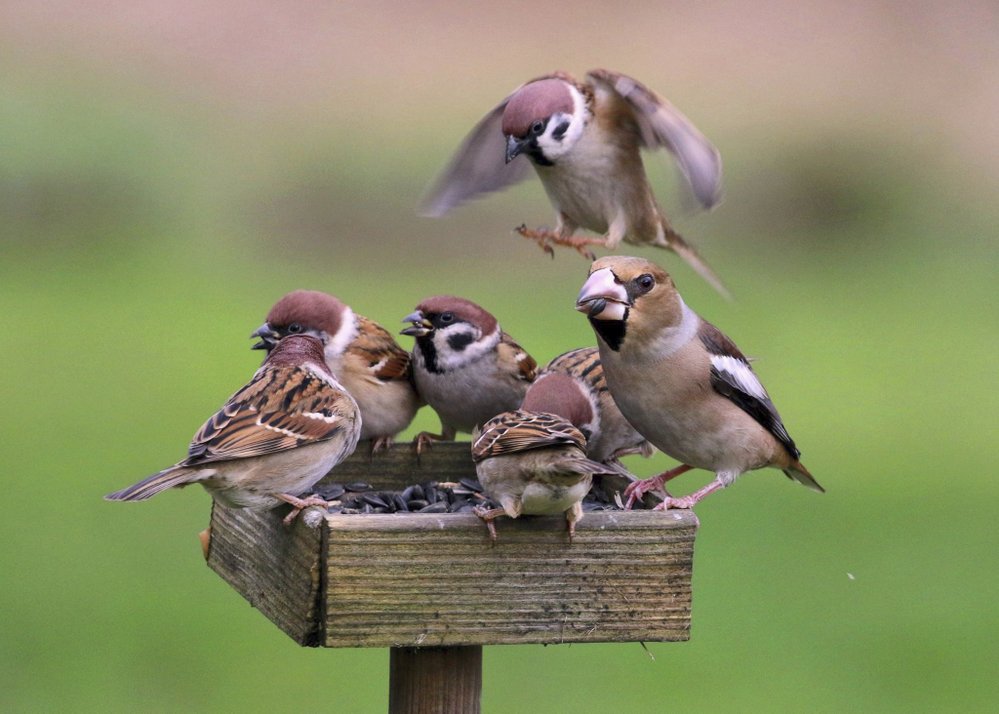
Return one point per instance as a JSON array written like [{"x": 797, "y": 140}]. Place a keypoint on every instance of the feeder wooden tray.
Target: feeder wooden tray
[{"x": 422, "y": 580}]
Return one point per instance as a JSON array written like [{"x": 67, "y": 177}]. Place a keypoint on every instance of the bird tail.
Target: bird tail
[
  {"x": 149, "y": 487},
  {"x": 799, "y": 473},
  {"x": 676, "y": 243}
]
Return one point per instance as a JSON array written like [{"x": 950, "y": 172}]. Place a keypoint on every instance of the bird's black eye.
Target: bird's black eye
[
  {"x": 447, "y": 318},
  {"x": 537, "y": 128},
  {"x": 645, "y": 282},
  {"x": 294, "y": 328}
]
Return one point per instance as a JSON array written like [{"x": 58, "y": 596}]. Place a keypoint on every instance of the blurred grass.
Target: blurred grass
[{"x": 144, "y": 238}]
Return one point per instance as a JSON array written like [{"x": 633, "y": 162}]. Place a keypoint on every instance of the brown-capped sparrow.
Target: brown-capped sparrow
[
  {"x": 681, "y": 382},
  {"x": 361, "y": 353},
  {"x": 533, "y": 463},
  {"x": 573, "y": 386},
  {"x": 584, "y": 140},
  {"x": 274, "y": 438},
  {"x": 464, "y": 365}
]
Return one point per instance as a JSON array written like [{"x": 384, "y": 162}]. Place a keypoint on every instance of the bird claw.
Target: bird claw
[
  {"x": 668, "y": 503},
  {"x": 424, "y": 440},
  {"x": 380, "y": 443},
  {"x": 488, "y": 515},
  {"x": 636, "y": 490},
  {"x": 546, "y": 238},
  {"x": 300, "y": 504}
]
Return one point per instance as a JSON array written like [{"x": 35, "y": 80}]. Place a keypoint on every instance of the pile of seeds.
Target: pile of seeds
[{"x": 434, "y": 497}]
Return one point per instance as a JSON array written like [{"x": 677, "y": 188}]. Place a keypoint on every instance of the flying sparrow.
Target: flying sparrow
[
  {"x": 274, "y": 438},
  {"x": 533, "y": 463},
  {"x": 361, "y": 353},
  {"x": 573, "y": 386},
  {"x": 681, "y": 382},
  {"x": 464, "y": 365},
  {"x": 584, "y": 140}
]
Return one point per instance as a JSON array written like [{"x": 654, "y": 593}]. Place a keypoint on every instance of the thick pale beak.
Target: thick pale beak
[
  {"x": 268, "y": 337},
  {"x": 602, "y": 297},
  {"x": 420, "y": 327},
  {"x": 514, "y": 147}
]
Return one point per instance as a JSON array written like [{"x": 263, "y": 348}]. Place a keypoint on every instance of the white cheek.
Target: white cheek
[
  {"x": 336, "y": 344},
  {"x": 448, "y": 358},
  {"x": 554, "y": 148}
]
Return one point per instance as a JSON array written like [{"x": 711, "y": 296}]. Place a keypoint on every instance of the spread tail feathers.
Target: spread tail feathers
[
  {"x": 676, "y": 243},
  {"x": 149, "y": 487},
  {"x": 799, "y": 473}
]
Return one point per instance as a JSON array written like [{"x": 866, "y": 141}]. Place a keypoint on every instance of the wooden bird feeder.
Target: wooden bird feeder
[{"x": 434, "y": 589}]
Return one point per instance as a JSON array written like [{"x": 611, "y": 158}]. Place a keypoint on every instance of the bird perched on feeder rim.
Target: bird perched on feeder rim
[
  {"x": 361, "y": 353},
  {"x": 533, "y": 463},
  {"x": 584, "y": 140},
  {"x": 465, "y": 366},
  {"x": 573, "y": 386},
  {"x": 272, "y": 440},
  {"x": 681, "y": 382}
]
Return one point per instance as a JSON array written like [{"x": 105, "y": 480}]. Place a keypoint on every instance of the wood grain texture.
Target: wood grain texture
[
  {"x": 435, "y": 580},
  {"x": 432, "y": 680},
  {"x": 275, "y": 567}
]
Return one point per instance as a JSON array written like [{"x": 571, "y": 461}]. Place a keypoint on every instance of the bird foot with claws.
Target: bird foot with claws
[
  {"x": 424, "y": 440},
  {"x": 300, "y": 504},
  {"x": 635, "y": 490},
  {"x": 688, "y": 501},
  {"x": 546, "y": 238},
  {"x": 381, "y": 443},
  {"x": 488, "y": 515}
]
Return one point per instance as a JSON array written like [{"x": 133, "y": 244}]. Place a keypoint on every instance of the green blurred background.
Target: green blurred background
[{"x": 168, "y": 170}]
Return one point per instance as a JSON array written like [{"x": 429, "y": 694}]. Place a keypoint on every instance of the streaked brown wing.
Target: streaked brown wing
[
  {"x": 661, "y": 124},
  {"x": 527, "y": 368},
  {"x": 377, "y": 348},
  {"x": 516, "y": 431},
  {"x": 281, "y": 408}
]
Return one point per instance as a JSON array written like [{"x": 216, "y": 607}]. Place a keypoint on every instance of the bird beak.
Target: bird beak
[
  {"x": 603, "y": 297},
  {"x": 420, "y": 327},
  {"x": 268, "y": 338},
  {"x": 514, "y": 147}
]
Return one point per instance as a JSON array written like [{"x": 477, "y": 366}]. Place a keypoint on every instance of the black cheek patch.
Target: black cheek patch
[
  {"x": 560, "y": 130},
  {"x": 460, "y": 341}
]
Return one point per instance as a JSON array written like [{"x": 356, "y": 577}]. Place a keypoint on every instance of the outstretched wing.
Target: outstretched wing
[
  {"x": 477, "y": 167},
  {"x": 660, "y": 124},
  {"x": 281, "y": 408}
]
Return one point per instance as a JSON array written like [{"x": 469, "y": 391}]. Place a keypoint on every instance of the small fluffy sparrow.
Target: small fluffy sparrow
[
  {"x": 584, "y": 140},
  {"x": 681, "y": 382},
  {"x": 274, "y": 438},
  {"x": 464, "y": 365},
  {"x": 573, "y": 387},
  {"x": 361, "y": 353},
  {"x": 533, "y": 463}
]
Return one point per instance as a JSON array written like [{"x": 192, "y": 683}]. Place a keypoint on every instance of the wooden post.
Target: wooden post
[{"x": 435, "y": 680}]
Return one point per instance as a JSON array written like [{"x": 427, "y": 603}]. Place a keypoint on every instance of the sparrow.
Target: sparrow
[
  {"x": 464, "y": 366},
  {"x": 681, "y": 382},
  {"x": 573, "y": 386},
  {"x": 532, "y": 463},
  {"x": 584, "y": 140},
  {"x": 274, "y": 438},
  {"x": 361, "y": 353}
]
